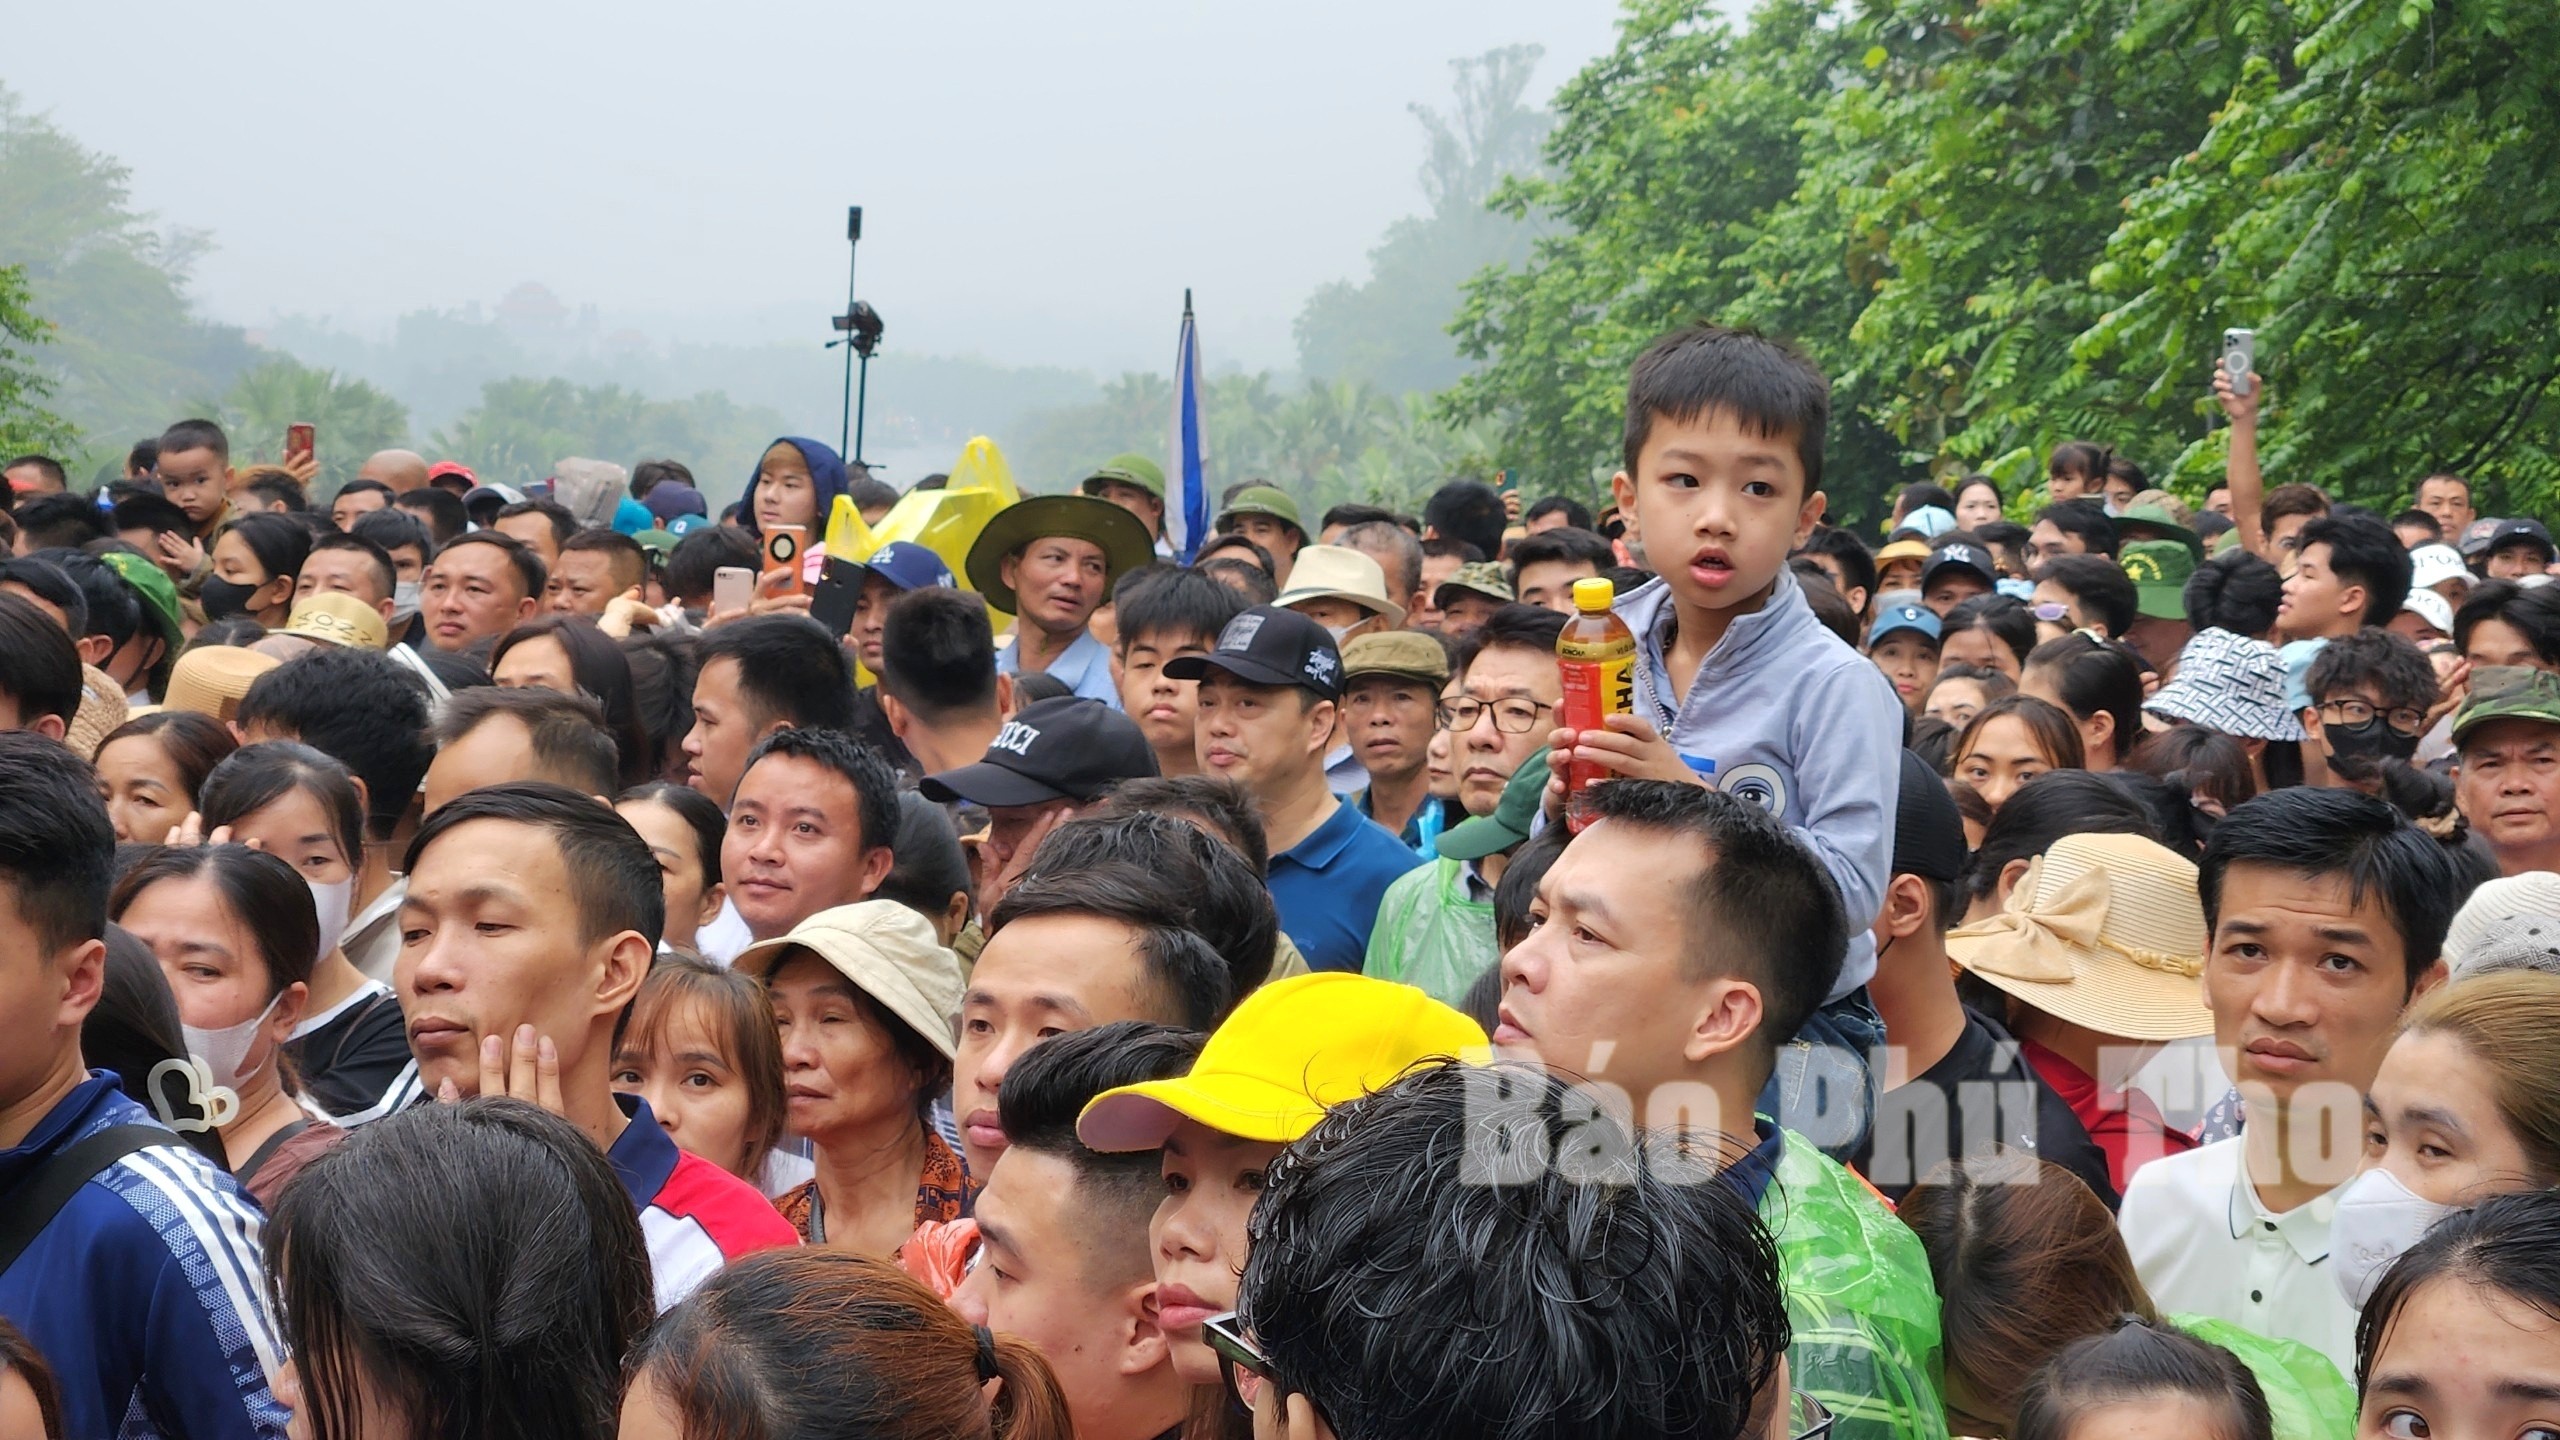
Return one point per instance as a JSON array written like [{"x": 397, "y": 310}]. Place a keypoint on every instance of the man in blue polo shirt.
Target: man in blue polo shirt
[
  {"x": 1050, "y": 562},
  {"x": 1268, "y": 696}
]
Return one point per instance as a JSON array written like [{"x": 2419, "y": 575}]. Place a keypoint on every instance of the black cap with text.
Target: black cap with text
[
  {"x": 1069, "y": 748},
  {"x": 1267, "y": 645}
]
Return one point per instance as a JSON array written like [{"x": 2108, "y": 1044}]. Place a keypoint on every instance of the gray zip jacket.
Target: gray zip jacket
[{"x": 1797, "y": 723}]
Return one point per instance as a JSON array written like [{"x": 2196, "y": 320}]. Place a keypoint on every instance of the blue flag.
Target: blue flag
[{"x": 1188, "y": 516}]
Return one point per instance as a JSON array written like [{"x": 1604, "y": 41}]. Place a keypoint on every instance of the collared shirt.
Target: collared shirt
[
  {"x": 1328, "y": 885},
  {"x": 2204, "y": 1244},
  {"x": 1424, "y": 827},
  {"x": 695, "y": 1216},
  {"x": 1083, "y": 667}
]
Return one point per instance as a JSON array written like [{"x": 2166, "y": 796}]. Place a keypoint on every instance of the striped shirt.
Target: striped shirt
[
  {"x": 144, "y": 1292},
  {"x": 696, "y": 1216}
]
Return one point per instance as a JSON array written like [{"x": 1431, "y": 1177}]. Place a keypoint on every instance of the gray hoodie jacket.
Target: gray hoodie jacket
[{"x": 1797, "y": 723}]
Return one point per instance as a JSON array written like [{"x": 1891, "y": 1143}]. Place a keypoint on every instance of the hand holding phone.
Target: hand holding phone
[
  {"x": 2240, "y": 358},
  {"x": 300, "y": 439},
  {"x": 733, "y": 588}
]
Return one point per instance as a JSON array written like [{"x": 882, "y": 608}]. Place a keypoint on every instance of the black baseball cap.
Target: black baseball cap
[
  {"x": 2520, "y": 532},
  {"x": 1928, "y": 830},
  {"x": 1069, "y": 748},
  {"x": 1959, "y": 556},
  {"x": 1267, "y": 645}
]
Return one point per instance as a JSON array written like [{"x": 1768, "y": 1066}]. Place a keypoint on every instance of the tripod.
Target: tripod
[{"x": 858, "y": 330}]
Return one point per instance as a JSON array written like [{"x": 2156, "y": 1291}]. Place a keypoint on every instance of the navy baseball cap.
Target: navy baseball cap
[
  {"x": 909, "y": 566},
  {"x": 1267, "y": 645},
  {"x": 2521, "y": 532},
  {"x": 1069, "y": 748},
  {"x": 1959, "y": 556}
]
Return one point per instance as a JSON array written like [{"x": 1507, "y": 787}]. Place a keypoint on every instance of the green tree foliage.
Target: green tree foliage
[
  {"x": 2000, "y": 224},
  {"x": 523, "y": 427},
  {"x": 1392, "y": 330},
  {"x": 126, "y": 352},
  {"x": 25, "y": 424},
  {"x": 350, "y": 418}
]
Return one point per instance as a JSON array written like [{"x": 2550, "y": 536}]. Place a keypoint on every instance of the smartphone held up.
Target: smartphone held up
[
  {"x": 301, "y": 441},
  {"x": 2239, "y": 358}
]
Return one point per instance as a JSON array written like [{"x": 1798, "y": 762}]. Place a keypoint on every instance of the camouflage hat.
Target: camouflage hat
[
  {"x": 1486, "y": 578},
  {"x": 2159, "y": 570},
  {"x": 2508, "y": 692}
]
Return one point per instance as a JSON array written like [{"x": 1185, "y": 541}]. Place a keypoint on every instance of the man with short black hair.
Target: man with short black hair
[
  {"x": 438, "y": 509},
  {"x": 1469, "y": 511},
  {"x": 1954, "y": 1082},
  {"x": 494, "y": 735},
  {"x": 195, "y": 475},
  {"x": 1267, "y": 703},
  {"x": 939, "y": 689},
  {"x": 2416, "y": 527},
  {"x": 1846, "y": 560},
  {"x": 48, "y": 521},
  {"x": 1555, "y": 512},
  {"x": 810, "y": 828},
  {"x": 348, "y": 565},
  {"x": 1063, "y": 1257},
  {"x": 139, "y": 1289},
  {"x": 358, "y": 498},
  {"x": 275, "y": 492},
  {"x": 758, "y": 675},
  {"x": 31, "y": 475},
  {"x": 2071, "y": 527},
  {"x": 2372, "y": 699},
  {"x": 543, "y": 526},
  {"x": 2327, "y": 914},
  {"x": 40, "y": 681},
  {"x": 481, "y": 585},
  {"x": 532, "y": 915},
  {"x": 1163, "y": 615},
  {"x": 2447, "y": 497},
  {"x": 1357, "y": 1221},
  {"x": 2286, "y": 510},
  {"x": 591, "y": 568},
  {"x": 1685, "y": 936},
  {"x": 1545, "y": 564},
  {"x": 1441, "y": 559},
  {"x": 1102, "y": 935},
  {"x": 2349, "y": 571},
  {"x": 140, "y": 521}
]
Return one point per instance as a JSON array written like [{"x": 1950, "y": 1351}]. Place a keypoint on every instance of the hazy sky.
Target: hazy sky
[{"x": 1040, "y": 180}]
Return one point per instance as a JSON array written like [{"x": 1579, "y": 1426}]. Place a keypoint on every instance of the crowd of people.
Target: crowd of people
[{"x": 2072, "y": 964}]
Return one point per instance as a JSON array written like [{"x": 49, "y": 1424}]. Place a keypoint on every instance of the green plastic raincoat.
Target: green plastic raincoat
[
  {"x": 1859, "y": 1297},
  {"x": 1430, "y": 935}
]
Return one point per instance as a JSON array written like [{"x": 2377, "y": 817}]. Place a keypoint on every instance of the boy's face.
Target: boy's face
[
  {"x": 1160, "y": 704},
  {"x": 1717, "y": 508}
]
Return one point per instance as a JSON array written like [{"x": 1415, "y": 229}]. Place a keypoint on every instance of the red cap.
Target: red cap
[{"x": 442, "y": 468}]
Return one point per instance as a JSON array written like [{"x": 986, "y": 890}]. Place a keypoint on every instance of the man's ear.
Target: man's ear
[
  {"x": 94, "y": 649},
  {"x": 51, "y": 727},
  {"x": 528, "y": 607},
  {"x": 1004, "y": 693},
  {"x": 1906, "y": 907},
  {"x": 2352, "y": 600},
  {"x": 2434, "y": 975},
  {"x": 1140, "y": 1338},
  {"x": 626, "y": 964},
  {"x": 84, "y": 978},
  {"x": 1729, "y": 1015},
  {"x": 895, "y": 713},
  {"x": 1321, "y": 718},
  {"x": 877, "y": 862}
]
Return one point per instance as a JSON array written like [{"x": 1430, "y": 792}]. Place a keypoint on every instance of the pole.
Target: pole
[
  {"x": 862, "y": 409},
  {"x": 853, "y": 246}
]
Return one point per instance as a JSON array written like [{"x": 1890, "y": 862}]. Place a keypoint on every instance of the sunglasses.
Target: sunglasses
[
  {"x": 2050, "y": 613},
  {"x": 1241, "y": 1363},
  {"x": 1245, "y": 1369}
]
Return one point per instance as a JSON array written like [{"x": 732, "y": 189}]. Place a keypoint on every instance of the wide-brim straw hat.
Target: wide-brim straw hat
[{"x": 2104, "y": 931}]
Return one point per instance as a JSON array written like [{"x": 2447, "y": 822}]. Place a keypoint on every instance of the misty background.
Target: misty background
[{"x": 509, "y": 234}]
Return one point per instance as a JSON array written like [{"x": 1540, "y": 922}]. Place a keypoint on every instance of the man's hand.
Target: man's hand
[
  {"x": 625, "y": 613},
  {"x": 2239, "y": 409},
  {"x": 302, "y": 465},
  {"x": 527, "y": 1070}
]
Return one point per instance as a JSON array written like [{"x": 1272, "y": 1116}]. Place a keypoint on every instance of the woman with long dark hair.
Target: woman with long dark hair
[{"x": 467, "y": 1270}]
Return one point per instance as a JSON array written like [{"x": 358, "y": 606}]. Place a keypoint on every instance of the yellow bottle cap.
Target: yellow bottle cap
[{"x": 1595, "y": 595}]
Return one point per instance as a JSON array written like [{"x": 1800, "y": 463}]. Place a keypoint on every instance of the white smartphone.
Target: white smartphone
[
  {"x": 2239, "y": 358},
  {"x": 733, "y": 587}
]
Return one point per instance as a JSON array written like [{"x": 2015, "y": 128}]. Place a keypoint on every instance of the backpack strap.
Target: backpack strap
[{"x": 31, "y": 1204}]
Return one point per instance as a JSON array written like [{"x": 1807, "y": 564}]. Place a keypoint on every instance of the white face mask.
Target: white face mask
[
  {"x": 334, "y": 900},
  {"x": 2377, "y": 1220},
  {"x": 404, "y": 600},
  {"x": 221, "y": 1053},
  {"x": 1338, "y": 632}
]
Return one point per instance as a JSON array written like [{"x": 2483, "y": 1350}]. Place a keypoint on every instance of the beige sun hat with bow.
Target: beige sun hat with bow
[{"x": 2104, "y": 931}]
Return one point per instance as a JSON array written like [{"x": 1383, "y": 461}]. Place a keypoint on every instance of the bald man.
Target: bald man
[{"x": 402, "y": 470}]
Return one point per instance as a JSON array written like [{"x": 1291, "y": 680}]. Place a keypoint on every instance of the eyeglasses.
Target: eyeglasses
[
  {"x": 1807, "y": 1418},
  {"x": 2404, "y": 720},
  {"x": 1241, "y": 1363},
  {"x": 1511, "y": 717},
  {"x": 2050, "y": 613}
]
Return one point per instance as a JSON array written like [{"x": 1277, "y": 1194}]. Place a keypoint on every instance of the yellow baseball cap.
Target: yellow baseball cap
[{"x": 1292, "y": 1050}]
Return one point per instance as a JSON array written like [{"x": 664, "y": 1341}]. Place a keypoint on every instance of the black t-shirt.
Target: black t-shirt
[
  {"x": 1980, "y": 1098},
  {"x": 351, "y": 1059},
  {"x": 871, "y": 727}
]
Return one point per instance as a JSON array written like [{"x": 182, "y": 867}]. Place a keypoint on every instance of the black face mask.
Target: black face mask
[
  {"x": 2364, "y": 747},
  {"x": 225, "y": 598}
]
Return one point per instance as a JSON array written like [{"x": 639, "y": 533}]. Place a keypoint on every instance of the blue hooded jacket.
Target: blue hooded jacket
[{"x": 826, "y": 470}]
